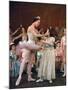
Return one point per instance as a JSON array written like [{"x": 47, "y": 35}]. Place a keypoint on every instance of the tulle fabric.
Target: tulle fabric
[{"x": 28, "y": 45}]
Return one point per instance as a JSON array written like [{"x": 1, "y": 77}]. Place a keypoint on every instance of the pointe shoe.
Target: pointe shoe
[
  {"x": 31, "y": 79},
  {"x": 18, "y": 81},
  {"x": 50, "y": 81},
  {"x": 39, "y": 80}
]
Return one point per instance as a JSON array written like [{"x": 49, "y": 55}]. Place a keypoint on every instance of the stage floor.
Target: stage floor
[{"x": 59, "y": 81}]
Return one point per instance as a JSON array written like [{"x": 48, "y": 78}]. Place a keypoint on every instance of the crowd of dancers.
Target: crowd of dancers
[{"x": 35, "y": 48}]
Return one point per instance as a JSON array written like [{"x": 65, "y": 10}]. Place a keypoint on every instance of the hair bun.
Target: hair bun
[{"x": 36, "y": 18}]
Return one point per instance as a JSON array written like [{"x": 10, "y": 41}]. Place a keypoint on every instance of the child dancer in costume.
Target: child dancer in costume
[
  {"x": 40, "y": 55},
  {"x": 63, "y": 45},
  {"x": 14, "y": 63},
  {"x": 58, "y": 51},
  {"x": 47, "y": 65}
]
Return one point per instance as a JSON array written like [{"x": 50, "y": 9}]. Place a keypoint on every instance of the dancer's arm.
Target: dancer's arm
[
  {"x": 43, "y": 41},
  {"x": 48, "y": 42},
  {"x": 20, "y": 35},
  {"x": 36, "y": 33},
  {"x": 15, "y": 32}
]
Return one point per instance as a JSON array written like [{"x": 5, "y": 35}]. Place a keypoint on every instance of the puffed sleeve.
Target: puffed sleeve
[{"x": 53, "y": 39}]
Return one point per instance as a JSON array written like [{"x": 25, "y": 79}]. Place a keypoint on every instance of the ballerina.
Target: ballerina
[
  {"x": 32, "y": 38},
  {"x": 30, "y": 46}
]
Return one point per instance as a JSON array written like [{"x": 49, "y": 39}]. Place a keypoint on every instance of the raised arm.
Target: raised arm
[
  {"x": 15, "y": 32},
  {"x": 45, "y": 41},
  {"x": 20, "y": 35}
]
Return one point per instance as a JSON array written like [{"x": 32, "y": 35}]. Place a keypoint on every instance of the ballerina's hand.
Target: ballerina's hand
[{"x": 43, "y": 48}]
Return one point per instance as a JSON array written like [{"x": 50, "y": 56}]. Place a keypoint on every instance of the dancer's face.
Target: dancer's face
[
  {"x": 23, "y": 30},
  {"x": 58, "y": 44},
  {"x": 37, "y": 23},
  {"x": 13, "y": 47}
]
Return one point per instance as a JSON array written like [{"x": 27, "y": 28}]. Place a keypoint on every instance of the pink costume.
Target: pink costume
[
  {"x": 25, "y": 53},
  {"x": 63, "y": 45},
  {"x": 59, "y": 52}
]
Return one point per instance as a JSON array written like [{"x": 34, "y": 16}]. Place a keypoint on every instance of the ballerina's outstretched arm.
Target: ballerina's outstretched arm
[{"x": 35, "y": 32}]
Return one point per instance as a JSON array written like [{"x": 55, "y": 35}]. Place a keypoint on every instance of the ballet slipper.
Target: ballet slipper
[
  {"x": 18, "y": 81},
  {"x": 39, "y": 80},
  {"x": 50, "y": 81},
  {"x": 31, "y": 79}
]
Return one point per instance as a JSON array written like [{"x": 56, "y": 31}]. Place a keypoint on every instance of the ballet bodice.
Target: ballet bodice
[{"x": 31, "y": 37}]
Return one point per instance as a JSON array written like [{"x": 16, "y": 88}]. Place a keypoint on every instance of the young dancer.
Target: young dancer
[
  {"x": 14, "y": 63},
  {"x": 58, "y": 51},
  {"x": 47, "y": 64},
  {"x": 63, "y": 45}
]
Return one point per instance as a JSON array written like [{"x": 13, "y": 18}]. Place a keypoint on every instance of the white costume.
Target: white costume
[{"x": 47, "y": 62}]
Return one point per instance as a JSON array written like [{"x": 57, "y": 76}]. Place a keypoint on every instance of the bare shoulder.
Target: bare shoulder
[{"x": 29, "y": 28}]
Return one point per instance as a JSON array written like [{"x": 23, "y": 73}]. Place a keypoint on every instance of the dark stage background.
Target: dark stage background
[{"x": 23, "y": 13}]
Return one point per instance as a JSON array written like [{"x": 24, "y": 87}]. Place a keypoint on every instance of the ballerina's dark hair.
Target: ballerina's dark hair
[
  {"x": 36, "y": 18},
  {"x": 52, "y": 32}
]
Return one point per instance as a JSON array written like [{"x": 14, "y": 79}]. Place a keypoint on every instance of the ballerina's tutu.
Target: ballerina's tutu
[
  {"x": 29, "y": 45},
  {"x": 18, "y": 50},
  {"x": 32, "y": 46},
  {"x": 20, "y": 46}
]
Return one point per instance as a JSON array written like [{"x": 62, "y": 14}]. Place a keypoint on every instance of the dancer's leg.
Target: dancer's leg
[
  {"x": 64, "y": 70},
  {"x": 21, "y": 71},
  {"x": 29, "y": 71},
  {"x": 62, "y": 67}
]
